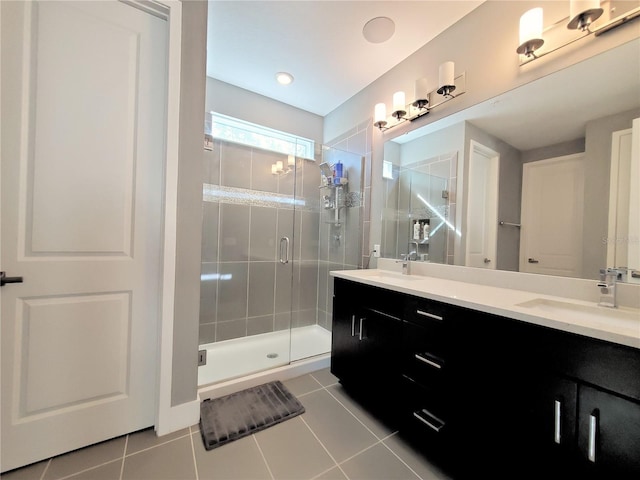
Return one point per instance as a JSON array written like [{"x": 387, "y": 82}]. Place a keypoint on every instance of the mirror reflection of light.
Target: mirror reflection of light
[
  {"x": 250, "y": 195},
  {"x": 215, "y": 276},
  {"x": 433, "y": 209}
]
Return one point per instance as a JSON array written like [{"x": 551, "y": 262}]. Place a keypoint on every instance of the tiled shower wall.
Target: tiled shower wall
[
  {"x": 245, "y": 290},
  {"x": 353, "y": 249}
]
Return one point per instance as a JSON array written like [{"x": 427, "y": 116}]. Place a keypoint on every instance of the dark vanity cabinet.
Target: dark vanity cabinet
[
  {"x": 367, "y": 328},
  {"x": 489, "y": 394}
]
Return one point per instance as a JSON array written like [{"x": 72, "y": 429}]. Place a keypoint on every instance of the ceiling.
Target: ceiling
[{"x": 319, "y": 42}]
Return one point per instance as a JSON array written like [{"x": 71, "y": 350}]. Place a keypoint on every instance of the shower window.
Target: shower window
[{"x": 222, "y": 127}]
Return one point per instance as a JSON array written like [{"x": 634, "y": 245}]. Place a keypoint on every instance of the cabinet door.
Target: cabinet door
[
  {"x": 380, "y": 335},
  {"x": 609, "y": 433},
  {"x": 345, "y": 342}
]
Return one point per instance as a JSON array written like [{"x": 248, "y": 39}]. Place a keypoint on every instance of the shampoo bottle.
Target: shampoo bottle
[{"x": 416, "y": 230}]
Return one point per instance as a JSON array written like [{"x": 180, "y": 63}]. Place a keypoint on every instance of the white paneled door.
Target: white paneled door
[
  {"x": 83, "y": 115},
  {"x": 552, "y": 209}
]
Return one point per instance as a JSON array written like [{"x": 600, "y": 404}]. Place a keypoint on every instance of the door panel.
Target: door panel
[
  {"x": 82, "y": 175},
  {"x": 552, "y": 209}
]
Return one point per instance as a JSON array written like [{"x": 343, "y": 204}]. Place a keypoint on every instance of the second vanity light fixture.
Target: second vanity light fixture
[
  {"x": 582, "y": 13},
  {"x": 425, "y": 99},
  {"x": 278, "y": 168}
]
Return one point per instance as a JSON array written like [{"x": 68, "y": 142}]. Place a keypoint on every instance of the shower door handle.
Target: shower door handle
[{"x": 284, "y": 250}]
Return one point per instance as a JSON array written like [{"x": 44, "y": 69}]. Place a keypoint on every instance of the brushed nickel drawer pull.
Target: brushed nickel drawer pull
[
  {"x": 556, "y": 424},
  {"x": 433, "y": 422},
  {"x": 353, "y": 325},
  {"x": 427, "y": 361},
  {"x": 593, "y": 427},
  {"x": 430, "y": 315}
]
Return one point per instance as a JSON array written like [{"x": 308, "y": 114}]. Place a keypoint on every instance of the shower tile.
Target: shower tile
[
  {"x": 211, "y": 164},
  {"x": 283, "y": 287},
  {"x": 235, "y": 168},
  {"x": 308, "y": 285},
  {"x": 304, "y": 318},
  {"x": 207, "y": 333},
  {"x": 166, "y": 462},
  {"x": 261, "y": 177},
  {"x": 336, "y": 244},
  {"x": 292, "y": 451},
  {"x": 377, "y": 462},
  {"x": 323, "y": 279},
  {"x": 367, "y": 170},
  {"x": 366, "y": 214},
  {"x": 261, "y": 288},
  {"x": 210, "y": 219},
  {"x": 286, "y": 184},
  {"x": 323, "y": 247},
  {"x": 231, "y": 329},
  {"x": 263, "y": 242},
  {"x": 282, "y": 321},
  {"x": 358, "y": 143},
  {"x": 238, "y": 460},
  {"x": 234, "y": 232},
  {"x": 258, "y": 325},
  {"x": 339, "y": 431},
  {"x": 208, "y": 292},
  {"x": 232, "y": 291},
  {"x": 285, "y": 222},
  {"x": 311, "y": 180},
  {"x": 353, "y": 239},
  {"x": 440, "y": 169},
  {"x": 309, "y": 235}
]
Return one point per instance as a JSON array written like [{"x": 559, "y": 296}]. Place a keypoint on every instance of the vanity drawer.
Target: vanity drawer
[
  {"x": 426, "y": 313},
  {"x": 428, "y": 338},
  {"x": 425, "y": 410}
]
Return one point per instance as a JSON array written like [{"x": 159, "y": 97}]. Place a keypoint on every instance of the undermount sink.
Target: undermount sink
[
  {"x": 377, "y": 274},
  {"x": 573, "y": 312}
]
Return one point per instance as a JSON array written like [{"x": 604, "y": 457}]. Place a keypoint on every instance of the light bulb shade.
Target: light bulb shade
[
  {"x": 446, "y": 79},
  {"x": 422, "y": 89},
  {"x": 582, "y": 13},
  {"x": 291, "y": 160},
  {"x": 380, "y": 113},
  {"x": 279, "y": 166},
  {"x": 274, "y": 169},
  {"x": 530, "y": 31},
  {"x": 398, "y": 101}
]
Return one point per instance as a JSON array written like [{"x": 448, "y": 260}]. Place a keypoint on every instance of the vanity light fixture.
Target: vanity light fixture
[
  {"x": 582, "y": 13},
  {"x": 425, "y": 98},
  {"x": 278, "y": 167}
]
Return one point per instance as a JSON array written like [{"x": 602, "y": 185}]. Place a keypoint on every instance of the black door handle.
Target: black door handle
[
  {"x": 4, "y": 279},
  {"x": 533, "y": 260}
]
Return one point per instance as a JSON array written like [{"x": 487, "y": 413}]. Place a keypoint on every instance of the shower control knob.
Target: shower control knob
[{"x": 4, "y": 279}]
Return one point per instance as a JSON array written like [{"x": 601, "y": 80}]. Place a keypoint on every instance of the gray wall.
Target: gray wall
[
  {"x": 184, "y": 376},
  {"x": 249, "y": 106}
]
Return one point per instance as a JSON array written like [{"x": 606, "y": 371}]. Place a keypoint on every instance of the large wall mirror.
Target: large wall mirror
[{"x": 541, "y": 179}]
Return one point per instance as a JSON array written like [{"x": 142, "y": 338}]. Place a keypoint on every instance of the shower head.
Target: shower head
[{"x": 326, "y": 169}]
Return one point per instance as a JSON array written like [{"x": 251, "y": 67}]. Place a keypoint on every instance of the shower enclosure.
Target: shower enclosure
[{"x": 274, "y": 226}]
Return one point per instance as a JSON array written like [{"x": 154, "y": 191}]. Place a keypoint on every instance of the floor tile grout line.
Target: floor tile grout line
[
  {"x": 44, "y": 472},
  {"x": 354, "y": 415},
  {"x": 309, "y": 392},
  {"x": 124, "y": 454},
  {"x": 158, "y": 445},
  {"x": 71, "y": 475},
  {"x": 193, "y": 453},
  {"x": 264, "y": 459},
  {"x": 398, "y": 457},
  {"x": 325, "y": 449}
]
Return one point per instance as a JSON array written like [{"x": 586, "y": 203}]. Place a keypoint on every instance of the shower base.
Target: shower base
[{"x": 240, "y": 357}]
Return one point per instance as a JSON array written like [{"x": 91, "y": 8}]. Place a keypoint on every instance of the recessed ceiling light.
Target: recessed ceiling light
[
  {"x": 284, "y": 78},
  {"x": 379, "y": 29}
]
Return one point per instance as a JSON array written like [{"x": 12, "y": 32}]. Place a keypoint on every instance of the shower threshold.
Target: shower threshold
[{"x": 240, "y": 357}]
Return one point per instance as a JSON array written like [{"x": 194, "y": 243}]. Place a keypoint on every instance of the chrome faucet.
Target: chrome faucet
[
  {"x": 405, "y": 263},
  {"x": 607, "y": 284}
]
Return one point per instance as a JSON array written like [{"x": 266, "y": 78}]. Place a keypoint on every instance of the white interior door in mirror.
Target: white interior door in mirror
[
  {"x": 552, "y": 209},
  {"x": 482, "y": 212},
  {"x": 83, "y": 102},
  {"x": 623, "y": 239}
]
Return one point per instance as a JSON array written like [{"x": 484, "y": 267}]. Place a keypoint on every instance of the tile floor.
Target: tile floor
[{"x": 334, "y": 439}]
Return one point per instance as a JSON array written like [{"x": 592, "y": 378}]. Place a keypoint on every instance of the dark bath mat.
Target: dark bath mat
[{"x": 234, "y": 416}]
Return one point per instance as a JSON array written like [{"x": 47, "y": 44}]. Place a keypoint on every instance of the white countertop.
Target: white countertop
[{"x": 621, "y": 325}]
